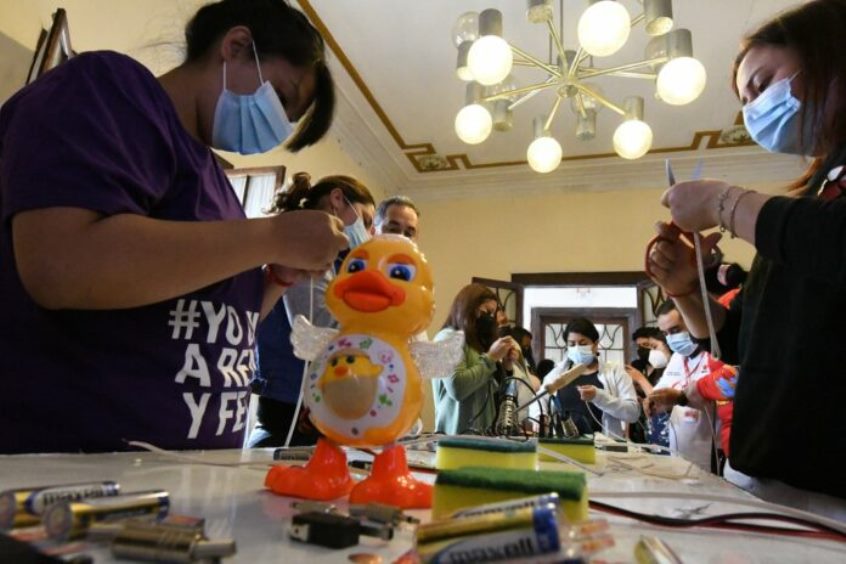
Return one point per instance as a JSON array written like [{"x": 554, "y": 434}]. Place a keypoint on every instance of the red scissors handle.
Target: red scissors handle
[{"x": 685, "y": 235}]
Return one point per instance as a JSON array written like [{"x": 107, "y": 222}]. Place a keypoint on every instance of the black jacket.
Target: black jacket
[{"x": 787, "y": 330}]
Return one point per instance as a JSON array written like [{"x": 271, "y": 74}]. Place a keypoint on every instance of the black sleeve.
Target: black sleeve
[
  {"x": 805, "y": 234},
  {"x": 729, "y": 334}
]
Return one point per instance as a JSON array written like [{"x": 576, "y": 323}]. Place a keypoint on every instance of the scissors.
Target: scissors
[
  {"x": 694, "y": 240},
  {"x": 686, "y": 236}
]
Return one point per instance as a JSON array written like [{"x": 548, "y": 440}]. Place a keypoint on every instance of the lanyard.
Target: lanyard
[{"x": 688, "y": 372}]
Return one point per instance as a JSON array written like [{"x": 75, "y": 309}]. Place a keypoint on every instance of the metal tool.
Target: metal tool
[{"x": 696, "y": 240}]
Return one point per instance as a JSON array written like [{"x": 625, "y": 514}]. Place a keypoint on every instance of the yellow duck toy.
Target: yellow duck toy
[{"x": 364, "y": 385}]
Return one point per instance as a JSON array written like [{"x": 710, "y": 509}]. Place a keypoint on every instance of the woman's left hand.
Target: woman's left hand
[
  {"x": 694, "y": 204},
  {"x": 587, "y": 393}
]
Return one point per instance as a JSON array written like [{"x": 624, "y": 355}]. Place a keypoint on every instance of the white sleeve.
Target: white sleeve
[
  {"x": 620, "y": 399},
  {"x": 672, "y": 373}
]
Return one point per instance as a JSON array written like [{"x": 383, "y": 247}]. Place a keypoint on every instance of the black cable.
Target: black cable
[{"x": 728, "y": 521}]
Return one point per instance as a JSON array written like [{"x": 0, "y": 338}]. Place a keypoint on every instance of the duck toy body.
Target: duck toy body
[{"x": 364, "y": 385}]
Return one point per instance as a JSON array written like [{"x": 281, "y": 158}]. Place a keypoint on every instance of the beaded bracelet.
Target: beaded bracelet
[{"x": 721, "y": 206}]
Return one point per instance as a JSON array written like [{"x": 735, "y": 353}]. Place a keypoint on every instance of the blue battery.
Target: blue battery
[{"x": 526, "y": 539}]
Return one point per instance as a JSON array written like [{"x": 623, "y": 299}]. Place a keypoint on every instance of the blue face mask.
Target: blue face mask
[
  {"x": 250, "y": 123},
  {"x": 357, "y": 233},
  {"x": 772, "y": 120},
  {"x": 582, "y": 354},
  {"x": 681, "y": 343}
]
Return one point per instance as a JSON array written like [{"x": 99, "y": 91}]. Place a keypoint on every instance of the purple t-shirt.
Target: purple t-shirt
[{"x": 100, "y": 133}]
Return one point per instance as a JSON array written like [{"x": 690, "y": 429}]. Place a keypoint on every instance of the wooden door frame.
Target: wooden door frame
[{"x": 631, "y": 315}]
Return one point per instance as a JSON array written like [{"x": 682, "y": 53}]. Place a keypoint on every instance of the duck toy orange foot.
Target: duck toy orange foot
[{"x": 364, "y": 386}]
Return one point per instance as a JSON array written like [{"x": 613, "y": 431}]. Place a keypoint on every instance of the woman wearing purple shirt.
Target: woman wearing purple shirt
[{"x": 130, "y": 281}]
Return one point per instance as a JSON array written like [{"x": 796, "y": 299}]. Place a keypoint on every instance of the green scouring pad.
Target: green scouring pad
[
  {"x": 458, "y": 452},
  {"x": 581, "y": 449},
  {"x": 468, "y": 487}
]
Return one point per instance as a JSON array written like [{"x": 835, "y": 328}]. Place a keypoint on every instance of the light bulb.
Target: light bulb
[
  {"x": 632, "y": 139},
  {"x": 544, "y": 154},
  {"x": 490, "y": 59},
  {"x": 473, "y": 124},
  {"x": 604, "y": 27},
  {"x": 681, "y": 81},
  {"x": 466, "y": 28}
]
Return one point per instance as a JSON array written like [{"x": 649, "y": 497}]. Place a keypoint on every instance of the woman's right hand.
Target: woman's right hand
[
  {"x": 671, "y": 262},
  {"x": 308, "y": 240},
  {"x": 500, "y": 348}
]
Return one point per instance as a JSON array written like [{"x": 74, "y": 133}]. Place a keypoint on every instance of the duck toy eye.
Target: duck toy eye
[
  {"x": 356, "y": 265},
  {"x": 401, "y": 271}
]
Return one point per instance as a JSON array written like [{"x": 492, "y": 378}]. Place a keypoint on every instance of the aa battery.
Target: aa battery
[
  {"x": 24, "y": 507},
  {"x": 69, "y": 520},
  {"x": 509, "y": 505},
  {"x": 504, "y": 535},
  {"x": 155, "y": 542}
]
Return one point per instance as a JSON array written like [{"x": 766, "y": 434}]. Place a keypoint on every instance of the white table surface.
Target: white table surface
[{"x": 235, "y": 505}]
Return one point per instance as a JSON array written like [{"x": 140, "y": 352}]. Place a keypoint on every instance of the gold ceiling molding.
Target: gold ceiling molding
[{"x": 425, "y": 158}]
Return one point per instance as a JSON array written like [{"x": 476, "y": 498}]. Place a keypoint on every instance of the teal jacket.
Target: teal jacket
[{"x": 465, "y": 394}]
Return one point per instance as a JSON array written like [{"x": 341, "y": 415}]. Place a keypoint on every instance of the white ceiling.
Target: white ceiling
[{"x": 394, "y": 64}]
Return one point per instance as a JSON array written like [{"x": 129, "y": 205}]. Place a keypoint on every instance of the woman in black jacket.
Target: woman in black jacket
[{"x": 784, "y": 330}]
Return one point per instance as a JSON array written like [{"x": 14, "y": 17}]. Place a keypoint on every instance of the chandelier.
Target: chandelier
[{"x": 485, "y": 61}]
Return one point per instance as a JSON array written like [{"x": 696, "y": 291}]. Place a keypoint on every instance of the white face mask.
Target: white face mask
[
  {"x": 681, "y": 343},
  {"x": 657, "y": 359},
  {"x": 581, "y": 354},
  {"x": 250, "y": 123},
  {"x": 357, "y": 233}
]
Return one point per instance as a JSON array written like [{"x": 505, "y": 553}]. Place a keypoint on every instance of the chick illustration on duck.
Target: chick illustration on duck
[{"x": 364, "y": 385}]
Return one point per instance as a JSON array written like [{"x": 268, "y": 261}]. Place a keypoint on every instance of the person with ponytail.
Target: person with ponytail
[
  {"x": 783, "y": 329},
  {"x": 278, "y": 377},
  {"x": 132, "y": 284}
]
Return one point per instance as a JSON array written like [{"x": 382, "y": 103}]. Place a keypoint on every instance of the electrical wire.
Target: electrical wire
[
  {"x": 828, "y": 523},
  {"x": 296, "y": 417},
  {"x": 729, "y": 521},
  {"x": 706, "y": 300}
]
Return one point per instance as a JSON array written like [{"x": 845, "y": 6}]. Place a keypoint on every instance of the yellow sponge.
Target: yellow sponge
[
  {"x": 458, "y": 452},
  {"x": 468, "y": 487},
  {"x": 580, "y": 450}
]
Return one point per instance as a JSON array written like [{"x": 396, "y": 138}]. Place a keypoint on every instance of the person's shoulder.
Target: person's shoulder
[
  {"x": 444, "y": 334},
  {"x": 106, "y": 66}
]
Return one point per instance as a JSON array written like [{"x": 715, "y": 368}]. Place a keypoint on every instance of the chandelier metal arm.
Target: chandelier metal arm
[
  {"x": 529, "y": 95},
  {"x": 509, "y": 93},
  {"x": 641, "y": 75},
  {"x": 581, "y": 55},
  {"x": 590, "y": 73},
  {"x": 548, "y": 68},
  {"x": 600, "y": 98},
  {"x": 552, "y": 112},
  {"x": 557, "y": 40}
]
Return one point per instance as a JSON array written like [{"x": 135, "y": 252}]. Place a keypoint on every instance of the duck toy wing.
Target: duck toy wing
[
  {"x": 438, "y": 360},
  {"x": 309, "y": 341}
]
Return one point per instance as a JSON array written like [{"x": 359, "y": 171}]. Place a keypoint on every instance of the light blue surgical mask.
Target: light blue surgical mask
[
  {"x": 357, "y": 233},
  {"x": 681, "y": 343},
  {"x": 250, "y": 123},
  {"x": 773, "y": 121},
  {"x": 581, "y": 354}
]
